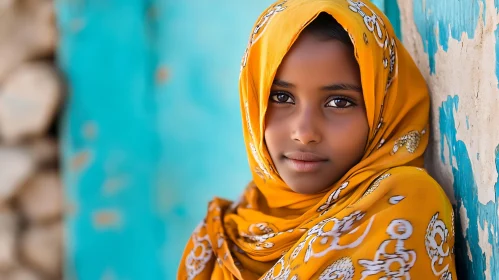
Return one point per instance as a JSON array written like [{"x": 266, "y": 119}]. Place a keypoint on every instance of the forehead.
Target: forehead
[{"x": 311, "y": 59}]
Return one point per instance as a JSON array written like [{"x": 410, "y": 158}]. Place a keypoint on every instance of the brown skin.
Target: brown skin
[{"x": 316, "y": 124}]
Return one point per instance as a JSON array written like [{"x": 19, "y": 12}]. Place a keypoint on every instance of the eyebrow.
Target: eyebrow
[
  {"x": 343, "y": 87},
  {"x": 332, "y": 87},
  {"x": 282, "y": 83}
]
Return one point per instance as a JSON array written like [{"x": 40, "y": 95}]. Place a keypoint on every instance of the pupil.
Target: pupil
[
  {"x": 282, "y": 98},
  {"x": 340, "y": 102}
]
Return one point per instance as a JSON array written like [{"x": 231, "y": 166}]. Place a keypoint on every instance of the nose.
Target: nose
[{"x": 306, "y": 126}]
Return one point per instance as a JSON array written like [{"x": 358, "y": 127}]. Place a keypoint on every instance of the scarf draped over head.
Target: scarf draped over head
[{"x": 385, "y": 219}]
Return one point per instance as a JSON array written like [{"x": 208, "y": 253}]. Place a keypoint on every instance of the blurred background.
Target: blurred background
[
  {"x": 119, "y": 121},
  {"x": 152, "y": 128}
]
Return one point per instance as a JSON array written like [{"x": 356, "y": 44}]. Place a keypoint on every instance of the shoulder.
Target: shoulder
[
  {"x": 412, "y": 181},
  {"x": 409, "y": 218},
  {"x": 407, "y": 187}
]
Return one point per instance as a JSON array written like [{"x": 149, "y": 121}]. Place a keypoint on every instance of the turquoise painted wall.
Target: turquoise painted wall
[
  {"x": 151, "y": 129},
  {"x": 455, "y": 44}
]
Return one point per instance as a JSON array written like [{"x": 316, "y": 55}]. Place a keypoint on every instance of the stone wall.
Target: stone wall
[{"x": 31, "y": 92}]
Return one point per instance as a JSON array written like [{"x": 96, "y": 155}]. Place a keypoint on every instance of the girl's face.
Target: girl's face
[{"x": 316, "y": 124}]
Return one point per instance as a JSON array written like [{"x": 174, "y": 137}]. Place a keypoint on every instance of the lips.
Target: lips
[{"x": 304, "y": 161}]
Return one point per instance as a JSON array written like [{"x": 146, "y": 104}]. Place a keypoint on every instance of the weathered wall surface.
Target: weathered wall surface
[
  {"x": 455, "y": 45},
  {"x": 31, "y": 94},
  {"x": 151, "y": 130}
]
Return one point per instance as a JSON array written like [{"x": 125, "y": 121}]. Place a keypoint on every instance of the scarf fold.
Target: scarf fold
[{"x": 385, "y": 218}]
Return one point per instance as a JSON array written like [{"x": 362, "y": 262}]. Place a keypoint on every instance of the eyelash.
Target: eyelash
[{"x": 289, "y": 96}]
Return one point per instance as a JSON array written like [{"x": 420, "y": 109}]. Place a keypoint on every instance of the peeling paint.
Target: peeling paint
[
  {"x": 105, "y": 219},
  {"x": 465, "y": 221},
  {"x": 81, "y": 160},
  {"x": 486, "y": 247},
  {"x": 90, "y": 130},
  {"x": 463, "y": 81},
  {"x": 114, "y": 185},
  {"x": 162, "y": 75},
  {"x": 446, "y": 21}
]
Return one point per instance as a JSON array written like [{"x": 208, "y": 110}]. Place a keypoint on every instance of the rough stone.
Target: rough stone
[
  {"x": 45, "y": 151},
  {"x": 22, "y": 273},
  {"x": 29, "y": 99},
  {"x": 27, "y": 30},
  {"x": 16, "y": 167},
  {"x": 41, "y": 199},
  {"x": 41, "y": 248},
  {"x": 8, "y": 232}
]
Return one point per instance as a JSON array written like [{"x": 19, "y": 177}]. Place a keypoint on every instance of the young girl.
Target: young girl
[{"x": 335, "y": 118}]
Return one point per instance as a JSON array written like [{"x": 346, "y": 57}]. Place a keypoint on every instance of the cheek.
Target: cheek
[
  {"x": 349, "y": 134},
  {"x": 274, "y": 131}
]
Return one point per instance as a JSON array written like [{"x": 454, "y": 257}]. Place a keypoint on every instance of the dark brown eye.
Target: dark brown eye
[
  {"x": 281, "y": 98},
  {"x": 340, "y": 103}
]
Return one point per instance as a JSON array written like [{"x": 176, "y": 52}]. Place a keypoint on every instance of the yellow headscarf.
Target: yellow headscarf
[{"x": 385, "y": 218}]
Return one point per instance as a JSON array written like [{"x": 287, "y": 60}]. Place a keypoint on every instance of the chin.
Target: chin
[{"x": 308, "y": 188}]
